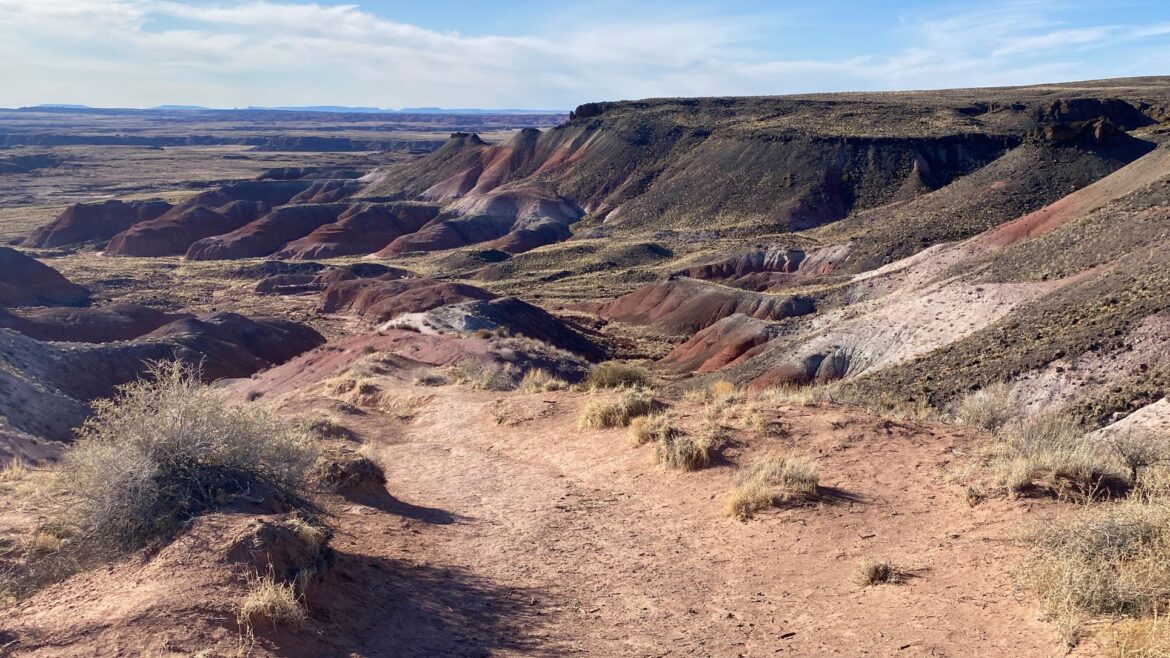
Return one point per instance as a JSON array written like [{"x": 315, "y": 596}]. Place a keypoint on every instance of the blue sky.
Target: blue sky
[{"x": 545, "y": 55}]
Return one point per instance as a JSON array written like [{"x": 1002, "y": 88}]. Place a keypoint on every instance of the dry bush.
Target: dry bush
[
  {"x": 1140, "y": 638},
  {"x": 613, "y": 374},
  {"x": 429, "y": 377},
  {"x": 15, "y": 471},
  {"x": 348, "y": 473},
  {"x": 772, "y": 480},
  {"x": 873, "y": 571},
  {"x": 1052, "y": 449},
  {"x": 327, "y": 427},
  {"x": 539, "y": 380},
  {"x": 483, "y": 375},
  {"x": 685, "y": 452},
  {"x": 271, "y": 602},
  {"x": 1138, "y": 450},
  {"x": 988, "y": 409},
  {"x": 805, "y": 396},
  {"x": 166, "y": 449},
  {"x": 650, "y": 428},
  {"x": 1111, "y": 559},
  {"x": 599, "y": 415}
]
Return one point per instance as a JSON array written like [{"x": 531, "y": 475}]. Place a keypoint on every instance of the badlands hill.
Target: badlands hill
[{"x": 833, "y": 278}]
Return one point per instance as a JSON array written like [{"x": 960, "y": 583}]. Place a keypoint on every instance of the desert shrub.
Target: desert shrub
[
  {"x": 872, "y": 571},
  {"x": 685, "y": 452},
  {"x": 271, "y": 602},
  {"x": 483, "y": 375},
  {"x": 1140, "y": 638},
  {"x": 429, "y": 377},
  {"x": 650, "y": 428},
  {"x": 348, "y": 473},
  {"x": 327, "y": 427},
  {"x": 1053, "y": 448},
  {"x": 539, "y": 380},
  {"x": 772, "y": 480},
  {"x": 1111, "y": 559},
  {"x": 167, "y": 448},
  {"x": 1138, "y": 450},
  {"x": 988, "y": 409},
  {"x": 613, "y": 374},
  {"x": 600, "y": 415}
]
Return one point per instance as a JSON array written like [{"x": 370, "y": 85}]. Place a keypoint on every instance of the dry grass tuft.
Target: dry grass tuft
[
  {"x": 772, "y": 480},
  {"x": 429, "y": 377},
  {"x": 167, "y": 449},
  {"x": 1140, "y": 638},
  {"x": 271, "y": 602},
  {"x": 613, "y": 374},
  {"x": 988, "y": 409},
  {"x": 685, "y": 452},
  {"x": 1052, "y": 451},
  {"x": 483, "y": 375},
  {"x": 1110, "y": 559},
  {"x": 599, "y": 415},
  {"x": 650, "y": 428},
  {"x": 872, "y": 571},
  {"x": 539, "y": 380}
]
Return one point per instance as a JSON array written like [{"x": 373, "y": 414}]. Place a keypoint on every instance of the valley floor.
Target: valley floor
[{"x": 556, "y": 541}]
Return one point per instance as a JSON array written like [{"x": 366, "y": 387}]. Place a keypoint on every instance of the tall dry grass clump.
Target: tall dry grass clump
[
  {"x": 1052, "y": 451},
  {"x": 599, "y": 414},
  {"x": 1108, "y": 559},
  {"x": 685, "y": 452},
  {"x": 484, "y": 375},
  {"x": 271, "y": 602},
  {"x": 988, "y": 409},
  {"x": 651, "y": 428},
  {"x": 772, "y": 480},
  {"x": 167, "y": 448},
  {"x": 539, "y": 380},
  {"x": 613, "y": 374}
]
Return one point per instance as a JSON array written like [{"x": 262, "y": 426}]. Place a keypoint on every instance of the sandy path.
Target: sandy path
[{"x": 598, "y": 552}]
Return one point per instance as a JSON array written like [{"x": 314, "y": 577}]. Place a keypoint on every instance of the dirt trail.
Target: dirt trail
[{"x": 589, "y": 549}]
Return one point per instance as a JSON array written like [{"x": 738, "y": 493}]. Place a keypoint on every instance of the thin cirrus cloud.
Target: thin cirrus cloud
[{"x": 268, "y": 52}]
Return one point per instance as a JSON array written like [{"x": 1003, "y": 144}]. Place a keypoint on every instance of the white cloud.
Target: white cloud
[{"x": 146, "y": 52}]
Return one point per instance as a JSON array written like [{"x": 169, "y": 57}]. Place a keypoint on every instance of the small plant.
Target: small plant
[
  {"x": 772, "y": 480},
  {"x": 429, "y": 377},
  {"x": 988, "y": 409},
  {"x": 539, "y": 380},
  {"x": 1108, "y": 560},
  {"x": 166, "y": 449},
  {"x": 327, "y": 427},
  {"x": 1052, "y": 449},
  {"x": 651, "y": 428},
  {"x": 600, "y": 415},
  {"x": 272, "y": 602},
  {"x": 873, "y": 571},
  {"x": 1138, "y": 450},
  {"x": 612, "y": 374},
  {"x": 685, "y": 453},
  {"x": 483, "y": 375}
]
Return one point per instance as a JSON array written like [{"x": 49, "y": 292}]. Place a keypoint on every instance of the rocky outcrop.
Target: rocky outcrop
[
  {"x": 266, "y": 235},
  {"x": 88, "y": 325},
  {"x": 476, "y": 219},
  {"x": 25, "y": 281},
  {"x": 301, "y": 283},
  {"x": 382, "y": 299},
  {"x": 364, "y": 228},
  {"x": 91, "y": 222},
  {"x": 724, "y": 343},
  {"x": 684, "y": 307},
  {"x": 511, "y": 315}
]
